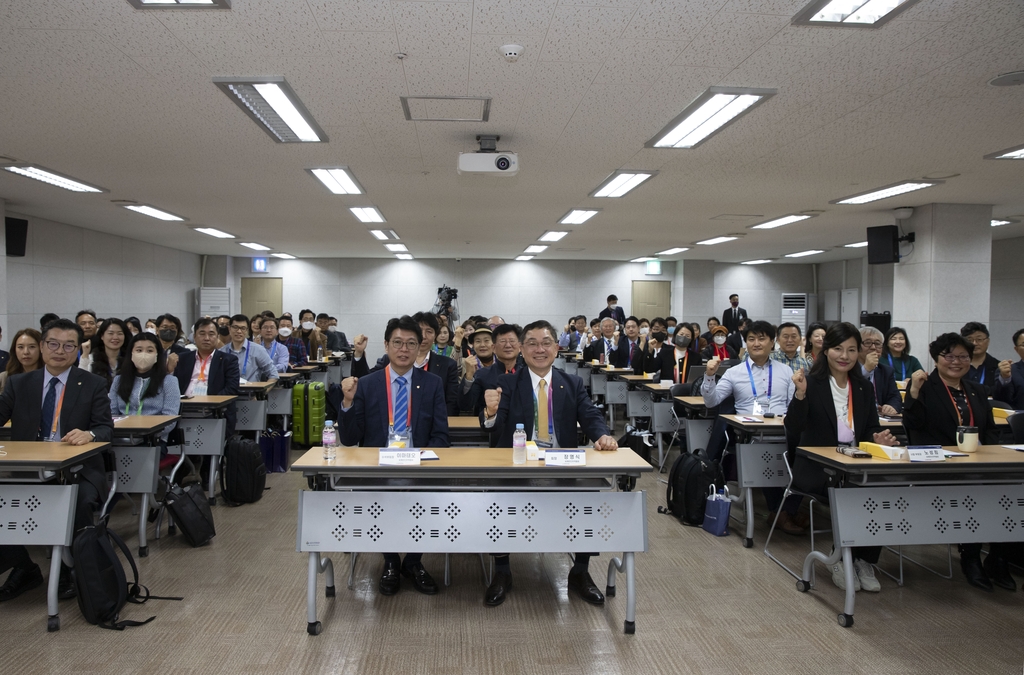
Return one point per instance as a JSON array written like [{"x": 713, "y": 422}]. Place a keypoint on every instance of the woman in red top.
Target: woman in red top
[{"x": 718, "y": 348}]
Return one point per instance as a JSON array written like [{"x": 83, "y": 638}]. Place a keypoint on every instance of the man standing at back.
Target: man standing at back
[
  {"x": 549, "y": 404},
  {"x": 613, "y": 310},
  {"x": 731, "y": 317},
  {"x": 397, "y": 399},
  {"x": 63, "y": 404}
]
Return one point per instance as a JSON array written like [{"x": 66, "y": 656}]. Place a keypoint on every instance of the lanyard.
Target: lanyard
[
  {"x": 391, "y": 402},
  {"x": 967, "y": 401},
  {"x": 903, "y": 367},
  {"x": 273, "y": 350},
  {"x": 245, "y": 364},
  {"x": 681, "y": 372},
  {"x": 551, "y": 414},
  {"x": 849, "y": 404},
  {"x": 203, "y": 366},
  {"x": 753, "y": 389},
  {"x": 56, "y": 413},
  {"x": 982, "y": 380},
  {"x": 426, "y": 363},
  {"x": 721, "y": 351},
  {"x": 138, "y": 411}
]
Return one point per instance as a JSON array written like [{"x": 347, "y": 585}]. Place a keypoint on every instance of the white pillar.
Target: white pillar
[
  {"x": 7, "y": 333},
  {"x": 697, "y": 299}
]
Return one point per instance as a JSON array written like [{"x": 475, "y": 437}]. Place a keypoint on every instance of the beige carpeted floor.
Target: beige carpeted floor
[{"x": 705, "y": 605}]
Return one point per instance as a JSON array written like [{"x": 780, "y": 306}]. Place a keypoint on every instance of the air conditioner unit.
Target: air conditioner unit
[
  {"x": 213, "y": 302},
  {"x": 799, "y": 308}
]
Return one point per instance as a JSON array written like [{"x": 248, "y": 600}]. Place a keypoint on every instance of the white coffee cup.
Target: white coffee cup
[{"x": 967, "y": 439}]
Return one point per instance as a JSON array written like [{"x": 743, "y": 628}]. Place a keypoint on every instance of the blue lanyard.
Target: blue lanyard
[
  {"x": 245, "y": 364},
  {"x": 982, "y": 370},
  {"x": 903, "y": 367},
  {"x": 750, "y": 374},
  {"x": 273, "y": 350}
]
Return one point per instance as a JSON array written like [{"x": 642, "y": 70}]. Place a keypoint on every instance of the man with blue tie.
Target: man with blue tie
[
  {"x": 397, "y": 400},
  {"x": 549, "y": 404}
]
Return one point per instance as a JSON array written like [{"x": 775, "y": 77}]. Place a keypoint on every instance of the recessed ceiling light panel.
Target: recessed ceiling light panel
[
  {"x": 621, "y": 182},
  {"x": 524, "y": 258},
  {"x": 535, "y": 249},
  {"x": 180, "y": 4},
  {"x": 339, "y": 180},
  {"x": 385, "y": 235},
  {"x": 368, "y": 214},
  {"x": 850, "y": 13},
  {"x": 857, "y": 244},
  {"x": 887, "y": 191},
  {"x": 553, "y": 235},
  {"x": 52, "y": 178},
  {"x": 804, "y": 254},
  {"x": 578, "y": 216},
  {"x": 783, "y": 220},
  {"x": 213, "y": 232},
  {"x": 717, "y": 240},
  {"x": 404, "y": 256},
  {"x": 282, "y": 256},
  {"x": 152, "y": 212},
  {"x": 673, "y": 251},
  {"x": 643, "y": 259},
  {"x": 272, "y": 104},
  {"x": 712, "y": 111},
  {"x": 396, "y": 248},
  {"x": 999, "y": 222},
  {"x": 1010, "y": 153},
  {"x": 763, "y": 261},
  {"x": 254, "y": 246}
]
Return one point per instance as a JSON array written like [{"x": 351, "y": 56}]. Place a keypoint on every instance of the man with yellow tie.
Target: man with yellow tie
[{"x": 548, "y": 403}]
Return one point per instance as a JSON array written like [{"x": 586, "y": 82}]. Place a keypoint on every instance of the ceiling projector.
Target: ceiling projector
[{"x": 488, "y": 160}]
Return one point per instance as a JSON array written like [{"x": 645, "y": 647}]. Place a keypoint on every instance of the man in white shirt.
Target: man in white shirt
[
  {"x": 254, "y": 363},
  {"x": 277, "y": 351}
]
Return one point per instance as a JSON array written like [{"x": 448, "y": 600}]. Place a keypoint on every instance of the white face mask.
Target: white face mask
[
  {"x": 308, "y": 325},
  {"x": 285, "y": 331},
  {"x": 143, "y": 360},
  {"x": 645, "y": 330},
  {"x": 719, "y": 339},
  {"x": 151, "y": 331},
  {"x": 613, "y": 307},
  {"x": 332, "y": 329}
]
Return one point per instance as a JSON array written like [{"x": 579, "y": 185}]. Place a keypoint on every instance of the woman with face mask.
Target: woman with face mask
[
  {"x": 144, "y": 387},
  {"x": 150, "y": 327},
  {"x": 718, "y": 348}
]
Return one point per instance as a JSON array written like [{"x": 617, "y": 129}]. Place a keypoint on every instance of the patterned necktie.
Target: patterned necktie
[
  {"x": 542, "y": 412},
  {"x": 401, "y": 405},
  {"x": 632, "y": 353},
  {"x": 49, "y": 406}
]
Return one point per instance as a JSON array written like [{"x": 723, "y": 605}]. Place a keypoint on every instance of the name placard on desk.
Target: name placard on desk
[
  {"x": 398, "y": 457},
  {"x": 925, "y": 454},
  {"x": 558, "y": 457}
]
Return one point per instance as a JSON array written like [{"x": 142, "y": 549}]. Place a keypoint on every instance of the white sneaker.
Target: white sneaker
[
  {"x": 866, "y": 576},
  {"x": 839, "y": 577}
]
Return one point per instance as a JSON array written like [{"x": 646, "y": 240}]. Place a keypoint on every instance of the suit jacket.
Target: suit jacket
[
  {"x": 886, "y": 391},
  {"x": 729, "y": 322},
  {"x": 484, "y": 379},
  {"x": 85, "y": 406},
  {"x": 4, "y": 358},
  {"x": 735, "y": 341},
  {"x": 931, "y": 419},
  {"x": 1012, "y": 393},
  {"x": 221, "y": 381},
  {"x": 570, "y": 405},
  {"x": 618, "y": 314},
  {"x": 665, "y": 363},
  {"x": 442, "y": 366},
  {"x": 812, "y": 421},
  {"x": 987, "y": 375},
  {"x": 596, "y": 348},
  {"x": 366, "y": 422},
  {"x": 620, "y": 357}
]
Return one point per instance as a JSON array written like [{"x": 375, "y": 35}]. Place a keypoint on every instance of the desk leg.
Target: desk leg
[
  {"x": 53, "y": 616},
  {"x": 661, "y": 452},
  {"x": 143, "y": 522},
  {"x": 317, "y": 566},
  {"x": 748, "y": 542},
  {"x": 846, "y": 554},
  {"x": 628, "y": 566}
]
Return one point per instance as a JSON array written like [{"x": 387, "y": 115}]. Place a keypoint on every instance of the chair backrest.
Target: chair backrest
[
  {"x": 1016, "y": 422},
  {"x": 680, "y": 390}
]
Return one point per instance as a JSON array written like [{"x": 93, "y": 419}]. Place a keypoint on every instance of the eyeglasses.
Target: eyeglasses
[
  {"x": 872, "y": 344},
  {"x": 238, "y": 327},
  {"x": 533, "y": 344},
  {"x": 977, "y": 340},
  {"x": 55, "y": 346},
  {"x": 398, "y": 345},
  {"x": 511, "y": 342},
  {"x": 953, "y": 358}
]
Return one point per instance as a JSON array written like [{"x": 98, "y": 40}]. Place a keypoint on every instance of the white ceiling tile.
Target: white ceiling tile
[
  {"x": 671, "y": 19},
  {"x": 730, "y": 38},
  {"x": 219, "y": 45},
  {"x": 782, "y": 7},
  {"x": 365, "y": 15},
  {"x": 512, "y": 16},
  {"x": 638, "y": 61},
  {"x": 584, "y": 33}
]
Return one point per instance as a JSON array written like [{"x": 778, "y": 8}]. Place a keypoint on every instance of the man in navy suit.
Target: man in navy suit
[
  {"x": 505, "y": 345},
  {"x": 881, "y": 376},
  {"x": 1010, "y": 387},
  {"x": 402, "y": 398},
  {"x": 732, "y": 317},
  {"x": 613, "y": 311},
  {"x": 207, "y": 371},
  {"x": 525, "y": 397},
  {"x": 630, "y": 353}
]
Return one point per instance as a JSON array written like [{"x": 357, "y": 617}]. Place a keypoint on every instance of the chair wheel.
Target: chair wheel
[
  {"x": 143, "y": 551},
  {"x": 630, "y": 627},
  {"x": 609, "y": 591},
  {"x": 314, "y": 628},
  {"x": 171, "y": 529},
  {"x": 52, "y": 624},
  {"x": 213, "y": 501},
  {"x": 845, "y": 620},
  {"x": 329, "y": 591},
  {"x": 748, "y": 542},
  {"x": 804, "y": 586}
]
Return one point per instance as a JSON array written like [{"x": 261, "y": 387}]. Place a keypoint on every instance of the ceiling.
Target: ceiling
[{"x": 124, "y": 99}]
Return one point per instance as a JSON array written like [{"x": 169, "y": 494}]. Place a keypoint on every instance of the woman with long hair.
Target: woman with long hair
[
  {"x": 144, "y": 387},
  {"x": 109, "y": 352},
  {"x": 815, "y": 339},
  {"x": 27, "y": 354},
  {"x": 896, "y": 350}
]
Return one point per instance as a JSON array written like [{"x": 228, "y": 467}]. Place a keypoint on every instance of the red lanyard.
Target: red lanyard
[
  {"x": 721, "y": 351},
  {"x": 391, "y": 403},
  {"x": 959, "y": 417},
  {"x": 203, "y": 365},
  {"x": 849, "y": 404},
  {"x": 56, "y": 413},
  {"x": 686, "y": 360}
]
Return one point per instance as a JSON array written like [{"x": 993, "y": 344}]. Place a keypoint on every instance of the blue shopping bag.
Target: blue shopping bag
[{"x": 716, "y": 512}]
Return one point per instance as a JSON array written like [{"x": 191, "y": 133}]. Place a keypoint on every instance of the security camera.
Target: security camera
[{"x": 903, "y": 212}]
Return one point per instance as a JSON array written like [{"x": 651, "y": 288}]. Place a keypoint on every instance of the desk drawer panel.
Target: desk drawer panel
[{"x": 37, "y": 514}]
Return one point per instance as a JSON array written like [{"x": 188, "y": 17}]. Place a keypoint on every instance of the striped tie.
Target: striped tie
[{"x": 401, "y": 405}]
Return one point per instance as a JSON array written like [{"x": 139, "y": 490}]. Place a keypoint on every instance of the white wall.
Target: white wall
[
  {"x": 67, "y": 268},
  {"x": 1007, "y": 300},
  {"x": 760, "y": 288}
]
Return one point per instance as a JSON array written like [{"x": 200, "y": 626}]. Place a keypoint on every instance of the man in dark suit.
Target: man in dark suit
[
  {"x": 1010, "y": 389},
  {"x": 426, "y": 359},
  {"x": 613, "y": 310},
  {"x": 881, "y": 376},
  {"x": 207, "y": 371},
  {"x": 630, "y": 352},
  {"x": 506, "y": 359},
  {"x": 403, "y": 399},
  {"x": 605, "y": 344},
  {"x": 65, "y": 404},
  {"x": 4, "y": 356},
  {"x": 736, "y": 340},
  {"x": 731, "y": 317},
  {"x": 542, "y": 388}
]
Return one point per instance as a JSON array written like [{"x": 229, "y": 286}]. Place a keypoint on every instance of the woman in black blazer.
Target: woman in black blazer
[
  {"x": 820, "y": 415},
  {"x": 935, "y": 406}
]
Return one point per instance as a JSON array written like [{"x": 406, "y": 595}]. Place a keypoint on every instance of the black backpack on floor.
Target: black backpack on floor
[
  {"x": 103, "y": 588},
  {"x": 243, "y": 476},
  {"x": 688, "y": 483}
]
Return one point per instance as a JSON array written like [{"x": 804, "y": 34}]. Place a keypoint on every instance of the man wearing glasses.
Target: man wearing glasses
[
  {"x": 401, "y": 400},
  {"x": 503, "y": 347},
  {"x": 254, "y": 363},
  {"x": 63, "y": 404},
  {"x": 549, "y": 404},
  {"x": 881, "y": 376},
  {"x": 985, "y": 368}
]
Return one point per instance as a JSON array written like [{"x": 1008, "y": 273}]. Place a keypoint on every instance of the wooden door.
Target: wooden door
[
  {"x": 262, "y": 293},
  {"x": 651, "y": 299}
]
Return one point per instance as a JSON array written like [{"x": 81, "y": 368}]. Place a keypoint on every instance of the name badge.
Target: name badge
[
  {"x": 398, "y": 457},
  {"x": 925, "y": 455},
  {"x": 758, "y": 411},
  {"x": 565, "y": 458}
]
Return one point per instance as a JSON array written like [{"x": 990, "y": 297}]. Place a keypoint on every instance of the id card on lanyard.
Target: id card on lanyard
[
  {"x": 967, "y": 402},
  {"x": 903, "y": 367},
  {"x": 201, "y": 385},
  {"x": 758, "y": 410}
]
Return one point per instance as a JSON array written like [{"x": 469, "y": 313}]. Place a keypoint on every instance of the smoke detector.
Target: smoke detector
[{"x": 511, "y": 53}]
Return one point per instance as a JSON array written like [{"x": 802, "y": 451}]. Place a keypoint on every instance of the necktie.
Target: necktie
[
  {"x": 401, "y": 405},
  {"x": 542, "y": 412},
  {"x": 49, "y": 405},
  {"x": 632, "y": 353},
  {"x": 607, "y": 350}
]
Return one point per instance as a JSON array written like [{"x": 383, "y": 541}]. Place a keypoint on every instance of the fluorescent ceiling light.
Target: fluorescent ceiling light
[
  {"x": 756, "y": 262},
  {"x": 147, "y": 210},
  {"x": 643, "y": 259},
  {"x": 803, "y": 254},
  {"x": 887, "y": 191},
  {"x": 214, "y": 232},
  {"x": 999, "y": 222},
  {"x": 384, "y": 235},
  {"x": 779, "y": 222},
  {"x": 1009, "y": 153},
  {"x": 403, "y": 256},
  {"x": 858, "y": 244},
  {"x": 673, "y": 251},
  {"x": 535, "y": 249},
  {"x": 52, "y": 178},
  {"x": 716, "y": 240},
  {"x": 857, "y": 13},
  {"x": 621, "y": 182},
  {"x": 254, "y": 246},
  {"x": 274, "y": 106},
  {"x": 523, "y": 258},
  {"x": 282, "y": 256},
  {"x": 339, "y": 180},
  {"x": 367, "y": 214},
  {"x": 180, "y": 4},
  {"x": 710, "y": 112},
  {"x": 396, "y": 248},
  {"x": 578, "y": 216},
  {"x": 553, "y": 235}
]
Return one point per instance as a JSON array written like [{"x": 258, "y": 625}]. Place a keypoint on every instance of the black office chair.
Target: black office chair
[{"x": 1016, "y": 422}]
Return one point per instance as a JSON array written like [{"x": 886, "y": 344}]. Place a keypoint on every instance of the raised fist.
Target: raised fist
[
  {"x": 348, "y": 390},
  {"x": 712, "y": 367},
  {"x": 359, "y": 346},
  {"x": 800, "y": 381},
  {"x": 492, "y": 397}
]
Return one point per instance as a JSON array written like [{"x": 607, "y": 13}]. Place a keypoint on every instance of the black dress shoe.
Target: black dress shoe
[
  {"x": 421, "y": 579},
  {"x": 19, "y": 581},
  {"x": 975, "y": 573},
  {"x": 585, "y": 587},
  {"x": 390, "y": 581},
  {"x": 66, "y": 584},
  {"x": 998, "y": 571},
  {"x": 500, "y": 585}
]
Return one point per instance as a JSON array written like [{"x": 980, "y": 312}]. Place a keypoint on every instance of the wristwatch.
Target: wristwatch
[{"x": 91, "y": 434}]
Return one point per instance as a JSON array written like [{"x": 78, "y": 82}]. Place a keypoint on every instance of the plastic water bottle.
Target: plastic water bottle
[
  {"x": 330, "y": 441},
  {"x": 519, "y": 445},
  {"x": 319, "y": 353}
]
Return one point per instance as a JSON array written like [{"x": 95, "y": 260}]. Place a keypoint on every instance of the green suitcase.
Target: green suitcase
[{"x": 309, "y": 410}]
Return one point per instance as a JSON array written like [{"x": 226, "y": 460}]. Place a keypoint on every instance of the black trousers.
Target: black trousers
[{"x": 396, "y": 558}]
